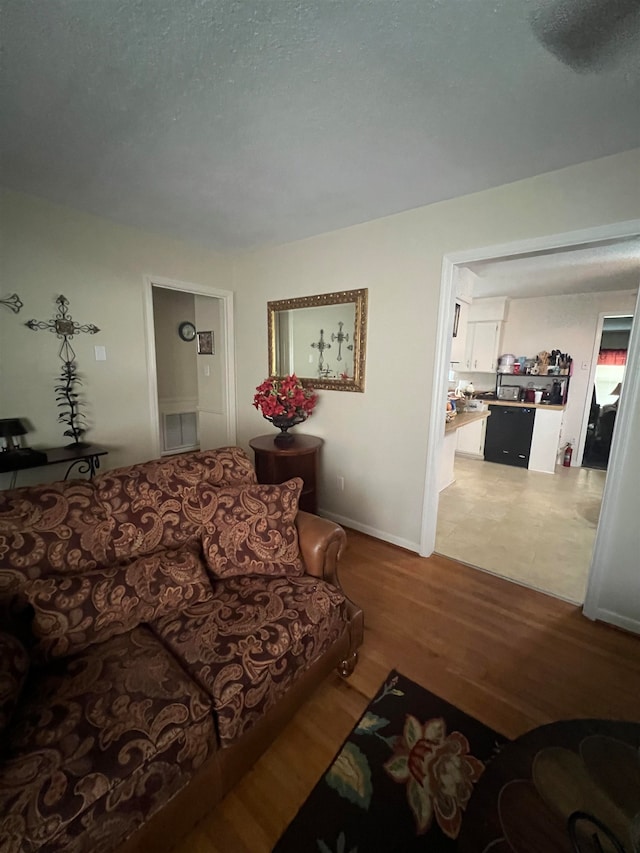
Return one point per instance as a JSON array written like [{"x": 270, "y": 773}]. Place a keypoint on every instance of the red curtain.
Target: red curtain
[{"x": 612, "y": 356}]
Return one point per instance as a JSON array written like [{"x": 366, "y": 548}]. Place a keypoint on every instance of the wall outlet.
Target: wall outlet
[{"x": 340, "y": 483}]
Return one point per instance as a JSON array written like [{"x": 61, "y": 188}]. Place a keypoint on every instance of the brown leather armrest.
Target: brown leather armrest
[{"x": 322, "y": 543}]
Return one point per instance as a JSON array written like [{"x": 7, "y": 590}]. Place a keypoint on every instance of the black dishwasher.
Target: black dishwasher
[{"x": 508, "y": 437}]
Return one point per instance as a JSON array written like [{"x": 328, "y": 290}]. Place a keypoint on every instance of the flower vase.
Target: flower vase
[{"x": 284, "y": 423}]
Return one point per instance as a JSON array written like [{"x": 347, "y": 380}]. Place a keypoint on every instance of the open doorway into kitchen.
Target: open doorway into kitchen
[{"x": 535, "y": 528}]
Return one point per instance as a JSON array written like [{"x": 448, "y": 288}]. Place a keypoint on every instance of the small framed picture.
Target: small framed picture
[
  {"x": 205, "y": 343},
  {"x": 456, "y": 319}
]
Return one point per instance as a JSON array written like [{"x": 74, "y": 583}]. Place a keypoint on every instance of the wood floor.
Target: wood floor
[{"x": 512, "y": 657}]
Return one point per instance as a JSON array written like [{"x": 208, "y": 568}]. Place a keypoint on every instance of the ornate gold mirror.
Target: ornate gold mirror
[{"x": 322, "y": 339}]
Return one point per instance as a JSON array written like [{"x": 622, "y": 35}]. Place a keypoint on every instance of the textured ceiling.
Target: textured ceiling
[
  {"x": 240, "y": 123},
  {"x": 611, "y": 265}
]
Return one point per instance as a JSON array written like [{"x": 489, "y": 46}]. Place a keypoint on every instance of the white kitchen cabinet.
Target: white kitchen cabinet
[
  {"x": 458, "y": 344},
  {"x": 545, "y": 440},
  {"x": 471, "y": 439},
  {"x": 483, "y": 346}
]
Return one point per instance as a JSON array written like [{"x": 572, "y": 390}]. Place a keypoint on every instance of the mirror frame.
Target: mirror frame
[{"x": 360, "y": 299}]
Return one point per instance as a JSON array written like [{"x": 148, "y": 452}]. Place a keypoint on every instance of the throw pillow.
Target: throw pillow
[
  {"x": 74, "y": 612},
  {"x": 251, "y": 530},
  {"x": 14, "y": 666}
]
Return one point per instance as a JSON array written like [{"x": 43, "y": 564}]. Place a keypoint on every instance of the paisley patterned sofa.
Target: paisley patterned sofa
[{"x": 160, "y": 624}]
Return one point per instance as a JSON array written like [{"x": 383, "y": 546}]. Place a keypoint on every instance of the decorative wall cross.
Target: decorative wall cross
[
  {"x": 341, "y": 338},
  {"x": 13, "y": 303},
  {"x": 64, "y": 327},
  {"x": 321, "y": 346}
]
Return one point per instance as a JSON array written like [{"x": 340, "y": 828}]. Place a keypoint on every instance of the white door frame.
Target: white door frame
[
  {"x": 592, "y": 379},
  {"x": 151, "y": 281},
  {"x": 450, "y": 265},
  {"x": 604, "y": 547}
]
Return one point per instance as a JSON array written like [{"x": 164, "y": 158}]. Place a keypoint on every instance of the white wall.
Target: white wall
[
  {"x": 175, "y": 358},
  {"x": 568, "y": 323},
  {"x": 99, "y": 267},
  {"x": 377, "y": 440}
]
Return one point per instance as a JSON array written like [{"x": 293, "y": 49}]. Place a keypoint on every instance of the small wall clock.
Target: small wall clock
[{"x": 187, "y": 331}]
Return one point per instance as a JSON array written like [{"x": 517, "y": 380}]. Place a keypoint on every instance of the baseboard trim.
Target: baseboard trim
[
  {"x": 631, "y": 625},
  {"x": 370, "y": 531}
]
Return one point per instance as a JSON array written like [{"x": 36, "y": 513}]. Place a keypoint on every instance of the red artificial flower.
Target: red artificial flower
[{"x": 284, "y": 396}]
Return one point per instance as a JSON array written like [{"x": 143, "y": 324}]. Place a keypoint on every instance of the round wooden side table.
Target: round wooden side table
[{"x": 300, "y": 458}]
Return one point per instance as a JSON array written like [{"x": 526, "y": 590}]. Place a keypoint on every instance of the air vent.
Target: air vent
[{"x": 180, "y": 432}]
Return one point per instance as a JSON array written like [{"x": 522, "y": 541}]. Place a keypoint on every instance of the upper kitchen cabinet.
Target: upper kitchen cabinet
[
  {"x": 484, "y": 334},
  {"x": 483, "y": 346}
]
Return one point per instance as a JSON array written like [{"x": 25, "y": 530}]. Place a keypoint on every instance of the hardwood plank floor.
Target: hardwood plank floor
[{"x": 512, "y": 657}]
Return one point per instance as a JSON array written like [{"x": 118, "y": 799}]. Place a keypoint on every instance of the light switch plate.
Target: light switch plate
[{"x": 101, "y": 353}]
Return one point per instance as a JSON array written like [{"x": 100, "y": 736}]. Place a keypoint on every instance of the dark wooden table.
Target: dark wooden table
[
  {"x": 87, "y": 460},
  {"x": 557, "y": 788},
  {"x": 277, "y": 463}
]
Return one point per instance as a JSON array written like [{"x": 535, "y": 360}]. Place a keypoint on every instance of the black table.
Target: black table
[{"x": 86, "y": 458}]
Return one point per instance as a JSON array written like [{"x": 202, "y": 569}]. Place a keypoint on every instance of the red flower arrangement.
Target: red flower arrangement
[{"x": 285, "y": 398}]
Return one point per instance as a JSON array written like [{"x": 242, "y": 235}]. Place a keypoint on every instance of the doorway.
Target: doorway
[
  {"x": 607, "y": 387},
  {"x": 452, "y": 265},
  {"x": 191, "y": 365}
]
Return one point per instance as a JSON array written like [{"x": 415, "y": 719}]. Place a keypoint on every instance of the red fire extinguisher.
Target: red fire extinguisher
[{"x": 568, "y": 453}]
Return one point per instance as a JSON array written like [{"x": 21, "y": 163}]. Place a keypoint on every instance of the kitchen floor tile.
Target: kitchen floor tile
[{"x": 537, "y": 529}]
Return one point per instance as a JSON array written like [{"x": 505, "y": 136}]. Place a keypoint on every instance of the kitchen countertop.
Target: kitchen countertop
[
  {"x": 559, "y": 408},
  {"x": 464, "y": 418}
]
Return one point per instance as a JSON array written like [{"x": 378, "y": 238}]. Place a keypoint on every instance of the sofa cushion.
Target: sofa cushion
[
  {"x": 251, "y": 530},
  {"x": 97, "y": 735},
  {"x": 14, "y": 666},
  {"x": 155, "y": 505},
  {"x": 252, "y": 640},
  {"x": 59, "y": 527},
  {"x": 152, "y": 506},
  {"x": 71, "y": 613},
  {"x": 225, "y": 466}
]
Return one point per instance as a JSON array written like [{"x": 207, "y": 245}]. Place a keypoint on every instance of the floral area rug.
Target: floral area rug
[{"x": 401, "y": 781}]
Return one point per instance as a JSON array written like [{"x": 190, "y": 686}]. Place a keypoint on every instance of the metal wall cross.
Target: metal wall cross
[
  {"x": 341, "y": 338},
  {"x": 64, "y": 327},
  {"x": 13, "y": 303},
  {"x": 321, "y": 346}
]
